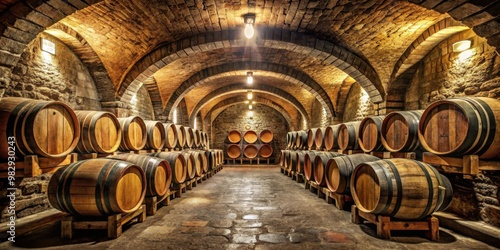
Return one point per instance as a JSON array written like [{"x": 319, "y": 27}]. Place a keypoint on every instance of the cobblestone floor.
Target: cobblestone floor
[{"x": 246, "y": 208}]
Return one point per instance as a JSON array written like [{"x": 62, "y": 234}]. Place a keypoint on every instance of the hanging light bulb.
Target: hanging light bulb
[
  {"x": 249, "y": 31},
  {"x": 249, "y": 77},
  {"x": 249, "y": 95},
  {"x": 250, "y": 106}
]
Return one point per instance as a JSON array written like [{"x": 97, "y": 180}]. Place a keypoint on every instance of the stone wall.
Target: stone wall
[
  {"x": 445, "y": 74},
  {"x": 264, "y": 118},
  {"x": 358, "y": 104},
  {"x": 60, "y": 77},
  {"x": 319, "y": 117},
  {"x": 141, "y": 104}
]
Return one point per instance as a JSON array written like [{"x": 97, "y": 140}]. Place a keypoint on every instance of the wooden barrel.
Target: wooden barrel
[
  {"x": 250, "y": 151},
  {"x": 399, "y": 132},
  {"x": 100, "y": 132},
  {"x": 191, "y": 165},
  {"x": 133, "y": 133},
  {"x": 319, "y": 138},
  {"x": 177, "y": 164},
  {"x": 400, "y": 188},
  {"x": 331, "y": 137},
  {"x": 196, "y": 138},
  {"x": 233, "y": 151},
  {"x": 293, "y": 163},
  {"x": 44, "y": 128},
  {"x": 155, "y": 135},
  {"x": 157, "y": 170},
  {"x": 283, "y": 158},
  {"x": 311, "y": 138},
  {"x": 266, "y": 136},
  {"x": 203, "y": 160},
  {"x": 250, "y": 136},
  {"x": 198, "y": 162},
  {"x": 181, "y": 136},
  {"x": 211, "y": 160},
  {"x": 171, "y": 135},
  {"x": 348, "y": 135},
  {"x": 300, "y": 154},
  {"x": 234, "y": 136},
  {"x": 339, "y": 169},
  {"x": 97, "y": 187},
  {"x": 204, "y": 139},
  {"x": 290, "y": 139},
  {"x": 462, "y": 126},
  {"x": 265, "y": 151},
  {"x": 309, "y": 164},
  {"x": 320, "y": 162},
  {"x": 189, "y": 135},
  {"x": 301, "y": 140},
  {"x": 369, "y": 134}
]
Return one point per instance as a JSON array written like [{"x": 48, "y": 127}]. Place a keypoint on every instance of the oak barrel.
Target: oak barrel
[
  {"x": 300, "y": 154},
  {"x": 293, "y": 163},
  {"x": 319, "y": 138},
  {"x": 250, "y": 151},
  {"x": 155, "y": 135},
  {"x": 191, "y": 165},
  {"x": 309, "y": 164},
  {"x": 177, "y": 164},
  {"x": 196, "y": 138},
  {"x": 198, "y": 162},
  {"x": 233, "y": 151},
  {"x": 339, "y": 169},
  {"x": 211, "y": 160},
  {"x": 348, "y": 135},
  {"x": 234, "y": 136},
  {"x": 250, "y": 136},
  {"x": 266, "y": 136},
  {"x": 100, "y": 132},
  {"x": 369, "y": 134},
  {"x": 157, "y": 170},
  {"x": 171, "y": 135},
  {"x": 311, "y": 138},
  {"x": 399, "y": 131},
  {"x": 320, "y": 162},
  {"x": 189, "y": 135},
  {"x": 44, "y": 128},
  {"x": 97, "y": 187},
  {"x": 301, "y": 140},
  {"x": 400, "y": 188},
  {"x": 290, "y": 139},
  {"x": 265, "y": 151},
  {"x": 462, "y": 126},
  {"x": 133, "y": 133},
  {"x": 285, "y": 154},
  {"x": 331, "y": 137},
  {"x": 181, "y": 136}
]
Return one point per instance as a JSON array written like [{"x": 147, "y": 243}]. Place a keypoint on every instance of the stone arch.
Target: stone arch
[
  {"x": 271, "y": 69},
  {"x": 342, "y": 96}
]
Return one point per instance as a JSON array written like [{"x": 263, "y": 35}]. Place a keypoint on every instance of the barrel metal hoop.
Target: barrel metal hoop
[
  {"x": 64, "y": 186},
  {"x": 399, "y": 187},
  {"x": 415, "y": 142},
  {"x": 102, "y": 189},
  {"x": 389, "y": 186},
  {"x": 430, "y": 189},
  {"x": 487, "y": 131},
  {"x": 441, "y": 191},
  {"x": 12, "y": 125}
]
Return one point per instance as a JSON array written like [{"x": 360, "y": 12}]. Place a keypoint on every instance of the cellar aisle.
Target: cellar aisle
[{"x": 245, "y": 208}]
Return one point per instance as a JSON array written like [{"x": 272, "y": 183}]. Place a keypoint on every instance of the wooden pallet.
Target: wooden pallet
[
  {"x": 94, "y": 156},
  {"x": 429, "y": 225},
  {"x": 33, "y": 165},
  {"x": 113, "y": 223},
  {"x": 178, "y": 189},
  {"x": 350, "y": 151},
  {"x": 152, "y": 203},
  {"x": 340, "y": 199},
  {"x": 298, "y": 177},
  {"x": 390, "y": 155},
  {"x": 466, "y": 165}
]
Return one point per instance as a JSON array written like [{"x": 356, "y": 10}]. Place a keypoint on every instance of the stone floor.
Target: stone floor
[{"x": 246, "y": 208}]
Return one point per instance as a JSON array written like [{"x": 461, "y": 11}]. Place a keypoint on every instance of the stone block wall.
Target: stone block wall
[
  {"x": 264, "y": 118},
  {"x": 358, "y": 104},
  {"x": 319, "y": 117}
]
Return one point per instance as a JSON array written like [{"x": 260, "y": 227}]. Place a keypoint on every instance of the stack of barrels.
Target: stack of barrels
[{"x": 249, "y": 144}]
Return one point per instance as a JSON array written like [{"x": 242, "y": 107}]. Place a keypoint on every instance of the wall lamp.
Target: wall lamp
[
  {"x": 249, "y": 95},
  {"x": 461, "y": 45},
  {"x": 249, "y": 77},
  {"x": 249, "y": 22}
]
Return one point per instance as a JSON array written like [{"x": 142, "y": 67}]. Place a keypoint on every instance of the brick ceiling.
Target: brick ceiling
[{"x": 189, "y": 43}]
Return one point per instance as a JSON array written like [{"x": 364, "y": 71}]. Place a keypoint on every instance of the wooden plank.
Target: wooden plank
[
  {"x": 471, "y": 164},
  {"x": 441, "y": 160},
  {"x": 90, "y": 225}
]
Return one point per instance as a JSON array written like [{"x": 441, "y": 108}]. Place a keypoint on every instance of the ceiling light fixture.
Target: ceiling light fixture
[
  {"x": 48, "y": 46},
  {"x": 461, "y": 45},
  {"x": 249, "y": 77},
  {"x": 250, "y": 106},
  {"x": 249, "y": 22},
  {"x": 249, "y": 95}
]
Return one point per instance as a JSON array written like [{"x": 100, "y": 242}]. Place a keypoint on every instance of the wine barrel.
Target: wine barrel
[
  {"x": 290, "y": 139},
  {"x": 157, "y": 170},
  {"x": 189, "y": 135},
  {"x": 181, "y": 136},
  {"x": 462, "y": 126},
  {"x": 196, "y": 138},
  {"x": 300, "y": 161},
  {"x": 250, "y": 151},
  {"x": 284, "y": 158},
  {"x": 155, "y": 135},
  {"x": 100, "y": 132},
  {"x": 301, "y": 140},
  {"x": 266, "y": 136},
  {"x": 233, "y": 151},
  {"x": 309, "y": 164},
  {"x": 400, "y": 188},
  {"x": 348, "y": 135},
  {"x": 211, "y": 160},
  {"x": 191, "y": 165},
  {"x": 339, "y": 169},
  {"x": 204, "y": 141},
  {"x": 331, "y": 137},
  {"x": 320, "y": 162},
  {"x": 97, "y": 187},
  {"x": 319, "y": 138},
  {"x": 369, "y": 134},
  {"x": 133, "y": 133},
  {"x": 311, "y": 138},
  {"x": 265, "y": 151},
  {"x": 250, "y": 136},
  {"x": 203, "y": 160},
  {"x": 234, "y": 136},
  {"x": 293, "y": 163},
  {"x": 198, "y": 162},
  {"x": 45, "y": 128},
  {"x": 177, "y": 164},
  {"x": 171, "y": 135},
  {"x": 399, "y": 131}
]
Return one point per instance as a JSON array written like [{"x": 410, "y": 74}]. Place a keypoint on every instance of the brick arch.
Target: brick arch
[
  {"x": 269, "y": 69},
  {"x": 242, "y": 88},
  {"x": 328, "y": 52},
  {"x": 237, "y": 100},
  {"x": 342, "y": 95}
]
